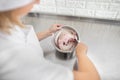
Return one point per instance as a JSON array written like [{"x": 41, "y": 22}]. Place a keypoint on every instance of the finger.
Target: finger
[
  {"x": 59, "y": 25},
  {"x": 59, "y": 28}
]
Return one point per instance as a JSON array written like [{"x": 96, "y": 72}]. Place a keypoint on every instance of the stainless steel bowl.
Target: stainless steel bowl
[{"x": 65, "y": 54}]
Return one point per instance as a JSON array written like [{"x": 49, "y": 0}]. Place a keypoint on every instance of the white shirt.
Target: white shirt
[{"x": 21, "y": 58}]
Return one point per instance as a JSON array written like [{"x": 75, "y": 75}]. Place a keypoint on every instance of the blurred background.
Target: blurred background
[{"x": 96, "y": 21}]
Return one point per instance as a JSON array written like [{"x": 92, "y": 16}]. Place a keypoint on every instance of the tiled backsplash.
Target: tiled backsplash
[{"x": 103, "y": 9}]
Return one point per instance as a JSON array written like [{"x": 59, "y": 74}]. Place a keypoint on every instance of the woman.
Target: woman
[{"x": 21, "y": 57}]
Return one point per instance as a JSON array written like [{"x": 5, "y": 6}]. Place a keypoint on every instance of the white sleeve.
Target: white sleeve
[{"x": 26, "y": 64}]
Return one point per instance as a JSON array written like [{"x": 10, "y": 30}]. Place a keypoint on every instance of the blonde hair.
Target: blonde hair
[{"x": 8, "y": 20}]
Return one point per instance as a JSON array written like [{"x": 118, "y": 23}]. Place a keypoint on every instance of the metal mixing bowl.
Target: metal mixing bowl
[{"x": 63, "y": 54}]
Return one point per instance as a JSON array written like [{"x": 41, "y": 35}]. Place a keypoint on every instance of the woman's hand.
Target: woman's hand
[
  {"x": 49, "y": 32},
  {"x": 55, "y": 27},
  {"x": 81, "y": 49},
  {"x": 86, "y": 69}
]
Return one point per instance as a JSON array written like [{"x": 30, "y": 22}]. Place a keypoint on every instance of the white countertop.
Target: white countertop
[{"x": 50, "y": 54}]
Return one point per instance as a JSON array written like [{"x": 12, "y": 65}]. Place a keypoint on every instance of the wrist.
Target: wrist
[
  {"x": 79, "y": 56},
  {"x": 80, "y": 53},
  {"x": 49, "y": 32}
]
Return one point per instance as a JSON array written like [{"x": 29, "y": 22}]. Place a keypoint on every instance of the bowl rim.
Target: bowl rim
[{"x": 54, "y": 42}]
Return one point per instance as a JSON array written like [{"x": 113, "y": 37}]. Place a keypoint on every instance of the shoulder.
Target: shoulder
[{"x": 19, "y": 53}]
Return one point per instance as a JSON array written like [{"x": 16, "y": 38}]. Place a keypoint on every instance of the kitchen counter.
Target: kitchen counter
[
  {"x": 50, "y": 54},
  {"x": 101, "y": 36}
]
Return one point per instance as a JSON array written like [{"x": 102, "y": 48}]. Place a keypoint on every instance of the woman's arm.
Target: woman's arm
[
  {"x": 44, "y": 34},
  {"x": 48, "y": 32},
  {"x": 86, "y": 69}
]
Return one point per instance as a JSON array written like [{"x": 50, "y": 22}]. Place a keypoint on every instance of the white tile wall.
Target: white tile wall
[
  {"x": 118, "y": 16},
  {"x": 97, "y": 5},
  {"x": 106, "y": 14},
  {"x": 75, "y": 4},
  {"x": 84, "y": 12},
  {"x": 104, "y": 9},
  {"x": 65, "y": 11},
  {"x": 60, "y": 3}
]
